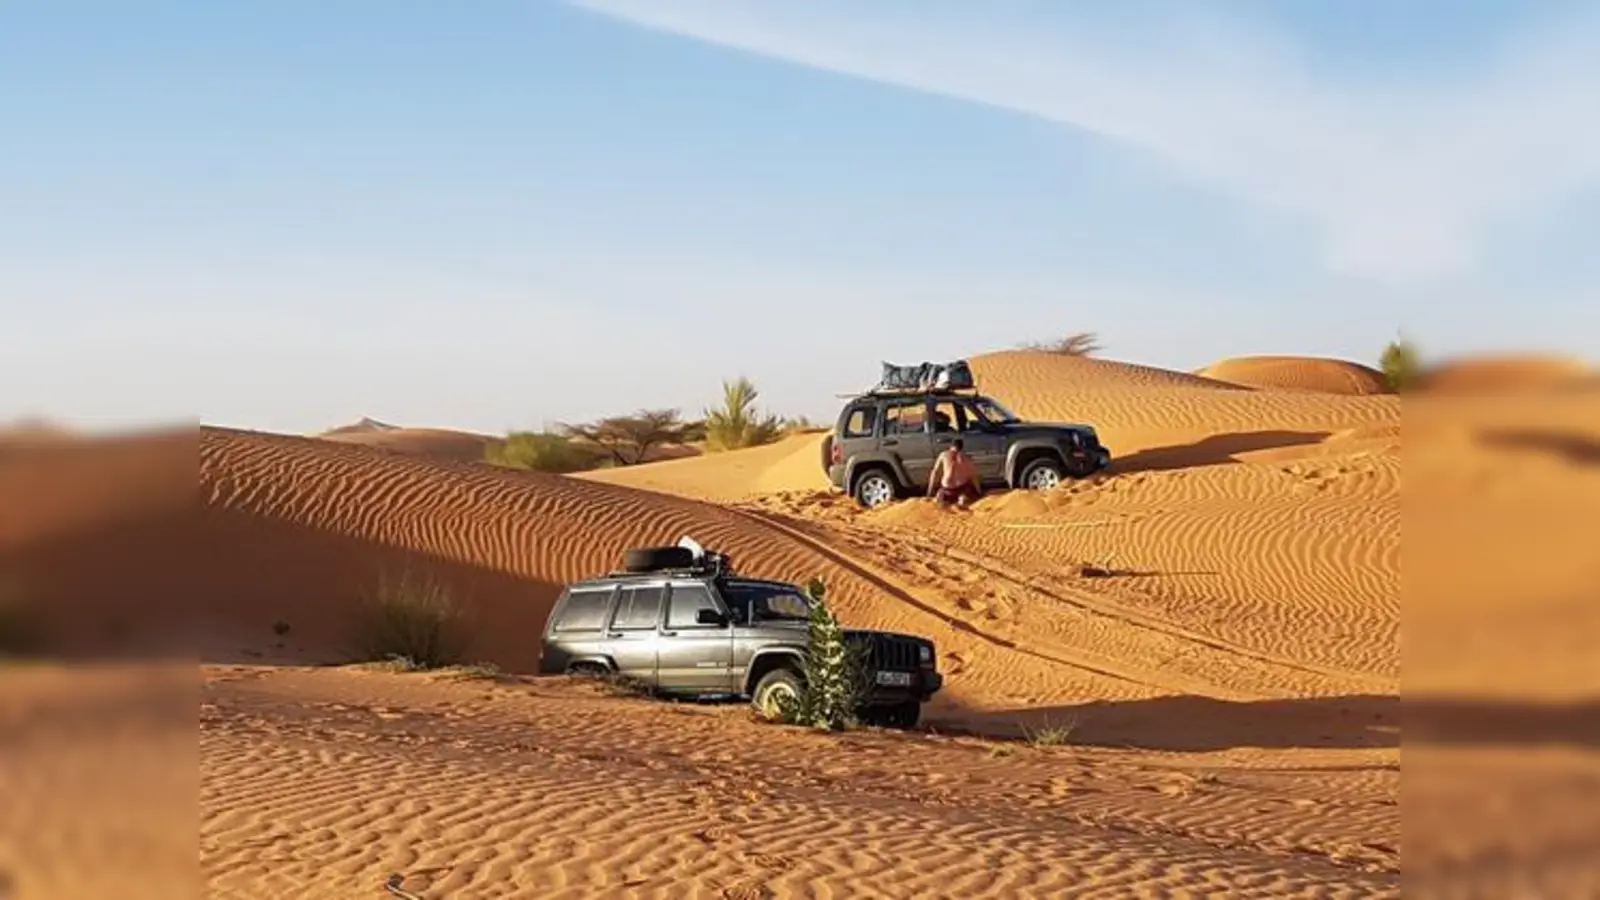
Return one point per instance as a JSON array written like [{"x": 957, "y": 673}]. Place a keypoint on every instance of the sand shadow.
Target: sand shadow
[
  {"x": 1362, "y": 721},
  {"x": 1214, "y": 450},
  {"x": 1482, "y": 721},
  {"x": 1573, "y": 448},
  {"x": 222, "y": 586},
  {"x": 1199, "y": 724}
]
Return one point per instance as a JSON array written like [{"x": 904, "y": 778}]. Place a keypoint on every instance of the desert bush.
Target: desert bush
[
  {"x": 410, "y": 622},
  {"x": 627, "y": 439},
  {"x": 800, "y": 424},
  {"x": 737, "y": 425},
  {"x": 833, "y": 671},
  {"x": 1401, "y": 365},
  {"x": 1051, "y": 735},
  {"x": 542, "y": 451},
  {"x": 1082, "y": 343}
]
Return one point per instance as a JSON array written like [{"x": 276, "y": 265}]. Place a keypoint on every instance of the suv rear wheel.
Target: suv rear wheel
[
  {"x": 874, "y": 488},
  {"x": 1042, "y": 474}
]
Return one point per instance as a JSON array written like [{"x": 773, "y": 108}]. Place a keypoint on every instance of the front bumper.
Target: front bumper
[
  {"x": 924, "y": 683},
  {"x": 1092, "y": 458}
]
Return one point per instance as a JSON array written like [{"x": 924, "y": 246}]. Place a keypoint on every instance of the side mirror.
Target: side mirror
[{"x": 710, "y": 617}]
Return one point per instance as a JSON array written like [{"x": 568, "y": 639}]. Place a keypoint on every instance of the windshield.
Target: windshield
[
  {"x": 993, "y": 411},
  {"x": 755, "y": 602}
]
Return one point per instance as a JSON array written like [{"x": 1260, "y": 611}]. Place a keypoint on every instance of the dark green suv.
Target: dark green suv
[
  {"x": 680, "y": 622},
  {"x": 884, "y": 444}
]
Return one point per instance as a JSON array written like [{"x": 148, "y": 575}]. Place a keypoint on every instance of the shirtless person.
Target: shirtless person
[{"x": 954, "y": 478}]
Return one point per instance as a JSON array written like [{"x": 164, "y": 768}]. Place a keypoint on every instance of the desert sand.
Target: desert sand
[{"x": 1226, "y": 696}]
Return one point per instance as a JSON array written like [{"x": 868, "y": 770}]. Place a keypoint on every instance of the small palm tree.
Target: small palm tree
[{"x": 736, "y": 425}]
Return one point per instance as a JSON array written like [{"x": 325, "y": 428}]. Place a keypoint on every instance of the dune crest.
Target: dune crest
[{"x": 1299, "y": 373}]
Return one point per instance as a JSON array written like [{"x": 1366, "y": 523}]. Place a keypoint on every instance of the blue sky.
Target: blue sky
[{"x": 496, "y": 214}]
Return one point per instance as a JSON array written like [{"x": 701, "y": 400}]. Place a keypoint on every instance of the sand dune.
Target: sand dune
[
  {"x": 1230, "y": 684},
  {"x": 1299, "y": 373},
  {"x": 1494, "y": 374},
  {"x": 303, "y": 528},
  {"x": 791, "y": 464},
  {"x": 437, "y": 443},
  {"x": 1006, "y": 370}
]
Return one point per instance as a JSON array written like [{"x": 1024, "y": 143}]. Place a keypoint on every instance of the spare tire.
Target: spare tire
[
  {"x": 652, "y": 559},
  {"x": 827, "y": 453}
]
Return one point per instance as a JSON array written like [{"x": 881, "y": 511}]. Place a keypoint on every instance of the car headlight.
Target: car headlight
[{"x": 924, "y": 654}]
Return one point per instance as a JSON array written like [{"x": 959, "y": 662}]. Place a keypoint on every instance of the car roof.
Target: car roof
[{"x": 680, "y": 575}]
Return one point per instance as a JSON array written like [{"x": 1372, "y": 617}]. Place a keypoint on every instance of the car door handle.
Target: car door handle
[
  {"x": 669, "y": 634},
  {"x": 613, "y": 634}
]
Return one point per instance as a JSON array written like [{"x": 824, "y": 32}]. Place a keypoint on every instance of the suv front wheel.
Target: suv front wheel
[
  {"x": 1042, "y": 474},
  {"x": 776, "y": 689},
  {"x": 874, "y": 488}
]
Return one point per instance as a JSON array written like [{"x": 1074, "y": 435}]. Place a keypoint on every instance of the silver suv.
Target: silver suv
[{"x": 678, "y": 621}]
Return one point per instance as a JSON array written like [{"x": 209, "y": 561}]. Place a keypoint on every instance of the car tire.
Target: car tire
[
  {"x": 654, "y": 559},
  {"x": 874, "y": 488},
  {"x": 774, "y": 685},
  {"x": 896, "y": 715},
  {"x": 1042, "y": 474},
  {"x": 588, "y": 670}
]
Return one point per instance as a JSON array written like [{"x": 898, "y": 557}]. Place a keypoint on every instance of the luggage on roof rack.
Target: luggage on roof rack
[
  {"x": 686, "y": 556},
  {"x": 955, "y": 375}
]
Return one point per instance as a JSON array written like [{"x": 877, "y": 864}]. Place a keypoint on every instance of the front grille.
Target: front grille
[{"x": 890, "y": 653}]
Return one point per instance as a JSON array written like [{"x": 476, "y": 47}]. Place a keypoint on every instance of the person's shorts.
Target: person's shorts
[{"x": 968, "y": 492}]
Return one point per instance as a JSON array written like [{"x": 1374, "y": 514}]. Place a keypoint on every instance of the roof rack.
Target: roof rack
[{"x": 908, "y": 392}]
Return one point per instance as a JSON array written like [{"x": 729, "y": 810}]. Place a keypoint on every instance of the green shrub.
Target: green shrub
[
  {"x": 542, "y": 451},
  {"x": 1401, "y": 365},
  {"x": 833, "y": 671},
  {"x": 411, "y": 622},
  {"x": 736, "y": 425}
]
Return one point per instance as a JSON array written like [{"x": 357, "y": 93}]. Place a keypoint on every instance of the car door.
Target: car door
[
  {"x": 694, "y": 657},
  {"x": 635, "y": 630},
  {"x": 905, "y": 435},
  {"x": 986, "y": 446}
]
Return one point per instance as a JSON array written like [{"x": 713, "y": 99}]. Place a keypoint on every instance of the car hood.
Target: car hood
[
  {"x": 1045, "y": 429},
  {"x": 797, "y": 629}
]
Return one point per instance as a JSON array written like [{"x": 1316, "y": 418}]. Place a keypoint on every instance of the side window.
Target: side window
[
  {"x": 904, "y": 418},
  {"x": 687, "y": 601},
  {"x": 860, "y": 422},
  {"x": 585, "y": 610},
  {"x": 948, "y": 417},
  {"x": 638, "y": 607}
]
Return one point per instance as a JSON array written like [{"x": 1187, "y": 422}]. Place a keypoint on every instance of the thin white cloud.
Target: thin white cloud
[{"x": 1403, "y": 180}]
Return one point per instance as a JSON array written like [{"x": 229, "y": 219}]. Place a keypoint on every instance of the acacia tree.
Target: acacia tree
[
  {"x": 628, "y": 439},
  {"x": 1082, "y": 343},
  {"x": 736, "y": 425}
]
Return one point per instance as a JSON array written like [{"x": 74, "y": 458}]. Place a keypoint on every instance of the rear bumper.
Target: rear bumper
[{"x": 836, "y": 476}]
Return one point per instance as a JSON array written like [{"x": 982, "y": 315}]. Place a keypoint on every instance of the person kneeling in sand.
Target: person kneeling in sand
[{"x": 954, "y": 478}]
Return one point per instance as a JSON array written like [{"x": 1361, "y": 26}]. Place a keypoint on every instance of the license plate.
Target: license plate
[{"x": 895, "y": 679}]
